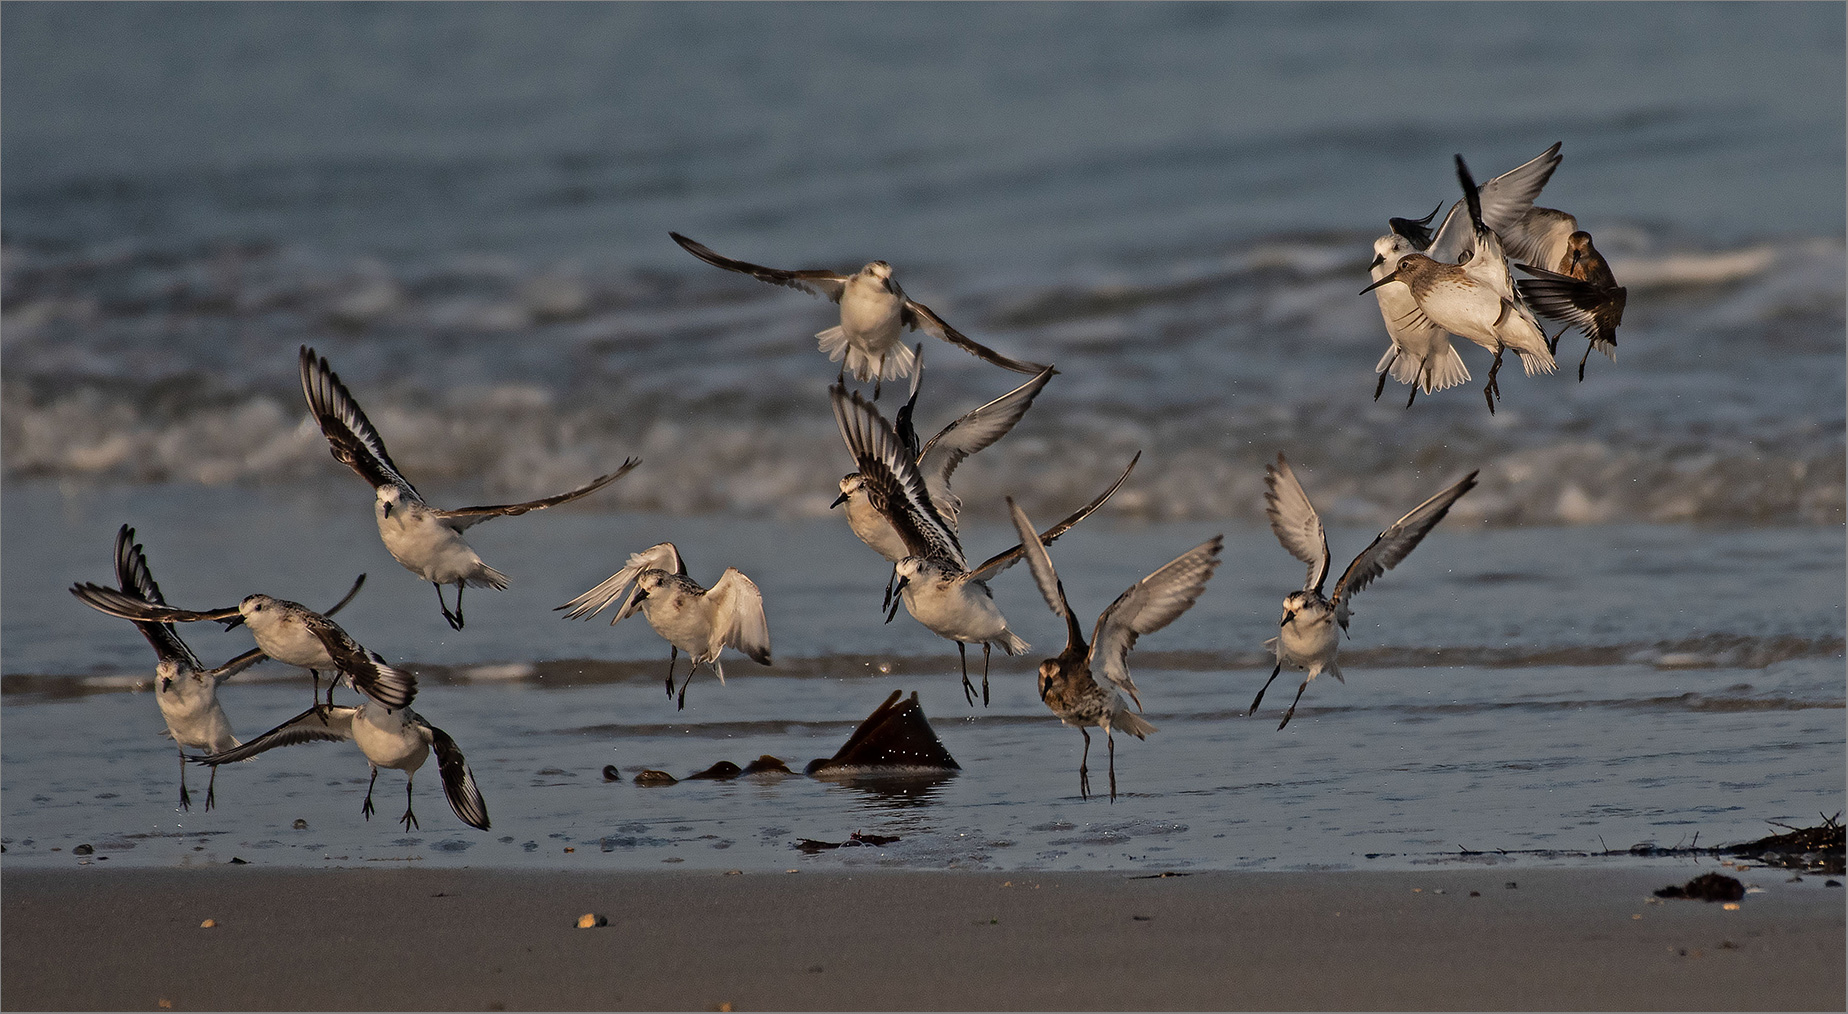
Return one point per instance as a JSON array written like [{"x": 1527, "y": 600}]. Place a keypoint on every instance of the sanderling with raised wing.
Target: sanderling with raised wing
[
  {"x": 1580, "y": 291},
  {"x": 1420, "y": 353},
  {"x": 699, "y": 621},
  {"x": 874, "y": 311},
  {"x": 288, "y": 632},
  {"x": 390, "y": 738},
  {"x": 1307, "y": 639},
  {"x": 936, "y": 461},
  {"x": 426, "y": 540},
  {"x": 1475, "y": 299},
  {"x": 1067, "y": 684},
  {"x": 935, "y": 582}
]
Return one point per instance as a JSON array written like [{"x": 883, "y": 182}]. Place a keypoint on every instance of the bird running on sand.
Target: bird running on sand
[
  {"x": 389, "y": 737},
  {"x": 185, "y": 689},
  {"x": 1421, "y": 354},
  {"x": 699, "y": 621},
  {"x": 1067, "y": 683},
  {"x": 874, "y": 312},
  {"x": 426, "y": 540},
  {"x": 1475, "y": 299},
  {"x": 935, "y": 582},
  {"x": 288, "y": 632},
  {"x": 936, "y": 461},
  {"x": 1307, "y": 639}
]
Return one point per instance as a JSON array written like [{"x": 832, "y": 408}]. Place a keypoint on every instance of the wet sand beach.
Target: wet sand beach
[{"x": 482, "y": 940}]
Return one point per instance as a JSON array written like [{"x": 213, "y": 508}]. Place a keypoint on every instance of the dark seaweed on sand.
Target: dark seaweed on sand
[{"x": 1819, "y": 848}]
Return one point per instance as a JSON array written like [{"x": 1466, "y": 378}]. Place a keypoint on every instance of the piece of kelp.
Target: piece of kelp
[{"x": 895, "y": 739}]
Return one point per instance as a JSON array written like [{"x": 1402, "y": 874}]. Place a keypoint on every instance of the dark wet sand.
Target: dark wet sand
[{"x": 473, "y": 939}]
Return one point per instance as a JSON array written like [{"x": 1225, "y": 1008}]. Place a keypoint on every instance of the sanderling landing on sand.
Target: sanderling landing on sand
[
  {"x": 1066, "y": 683},
  {"x": 1307, "y": 639},
  {"x": 936, "y": 461},
  {"x": 874, "y": 311},
  {"x": 699, "y": 621},
  {"x": 390, "y": 738},
  {"x": 285, "y": 631},
  {"x": 1476, "y": 298},
  {"x": 426, "y": 540}
]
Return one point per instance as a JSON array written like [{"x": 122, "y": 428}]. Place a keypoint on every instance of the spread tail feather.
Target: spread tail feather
[
  {"x": 1443, "y": 369},
  {"x": 487, "y": 578},
  {"x": 1012, "y": 644},
  {"x": 1537, "y": 362},
  {"x": 1125, "y": 720}
]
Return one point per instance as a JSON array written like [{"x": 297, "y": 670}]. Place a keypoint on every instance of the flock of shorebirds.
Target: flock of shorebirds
[{"x": 1430, "y": 286}]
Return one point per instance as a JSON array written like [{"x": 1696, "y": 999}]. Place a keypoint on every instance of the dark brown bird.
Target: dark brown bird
[{"x": 1579, "y": 291}]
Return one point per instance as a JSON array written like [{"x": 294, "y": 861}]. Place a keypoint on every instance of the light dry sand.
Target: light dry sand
[{"x": 471, "y": 939}]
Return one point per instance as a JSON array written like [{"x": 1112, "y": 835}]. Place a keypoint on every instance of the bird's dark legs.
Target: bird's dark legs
[
  {"x": 1380, "y": 388},
  {"x": 891, "y": 579},
  {"x": 985, "y": 650},
  {"x": 454, "y": 619},
  {"x": 1588, "y": 347},
  {"x": 186, "y": 798},
  {"x": 1084, "y": 774},
  {"x": 1492, "y": 390},
  {"x": 1411, "y": 397},
  {"x": 683, "y": 686},
  {"x": 1292, "y": 711},
  {"x": 1260, "y": 697},
  {"x": 409, "y": 818},
  {"x": 1110, "y": 741},
  {"x": 365, "y": 809},
  {"x": 1552, "y": 344},
  {"x": 962, "y": 652},
  {"x": 211, "y": 789},
  {"x": 673, "y": 652}
]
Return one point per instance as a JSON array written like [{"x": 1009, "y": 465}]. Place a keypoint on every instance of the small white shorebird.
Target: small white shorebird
[
  {"x": 288, "y": 632},
  {"x": 1067, "y": 683},
  {"x": 389, "y": 737},
  {"x": 936, "y": 461},
  {"x": 699, "y": 621},
  {"x": 874, "y": 312},
  {"x": 426, "y": 540},
  {"x": 185, "y": 689},
  {"x": 1307, "y": 639},
  {"x": 1474, "y": 299},
  {"x": 935, "y": 582},
  {"x": 1421, "y": 353}
]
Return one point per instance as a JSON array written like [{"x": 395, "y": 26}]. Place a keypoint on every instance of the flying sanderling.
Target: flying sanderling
[
  {"x": 1476, "y": 298},
  {"x": 874, "y": 311},
  {"x": 1067, "y": 684},
  {"x": 426, "y": 540},
  {"x": 699, "y": 621},
  {"x": 285, "y": 631},
  {"x": 935, "y": 583},
  {"x": 1307, "y": 639},
  {"x": 1580, "y": 290},
  {"x": 390, "y": 738},
  {"x": 936, "y": 461}
]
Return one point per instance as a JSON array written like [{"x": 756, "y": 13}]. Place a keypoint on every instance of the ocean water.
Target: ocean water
[{"x": 1631, "y": 631}]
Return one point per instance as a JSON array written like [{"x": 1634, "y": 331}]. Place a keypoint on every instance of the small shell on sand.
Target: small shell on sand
[
  {"x": 591, "y": 920},
  {"x": 208, "y": 924}
]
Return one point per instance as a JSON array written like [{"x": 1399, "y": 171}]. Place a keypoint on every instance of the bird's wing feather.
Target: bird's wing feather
[
  {"x": 1594, "y": 310},
  {"x": 1295, "y": 521},
  {"x": 1008, "y": 557},
  {"x": 1395, "y": 543},
  {"x": 1040, "y": 563},
  {"x": 458, "y": 781},
  {"x": 741, "y": 622},
  {"x": 1503, "y": 202},
  {"x": 920, "y": 317},
  {"x": 462, "y": 518},
  {"x": 137, "y": 580},
  {"x": 393, "y": 688},
  {"x": 814, "y": 282},
  {"x": 234, "y": 666},
  {"x": 1147, "y": 606},
  {"x": 975, "y": 430},
  {"x": 323, "y": 723},
  {"x": 660, "y": 556},
  {"x": 350, "y": 435},
  {"x": 129, "y": 607},
  {"x": 892, "y": 481}
]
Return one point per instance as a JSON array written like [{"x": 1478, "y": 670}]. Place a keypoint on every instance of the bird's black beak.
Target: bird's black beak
[
  {"x": 897, "y": 597},
  {"x": 234, "y": 622},
  {"x": 1287, "y": 617},
  {"x": 1389, "y": 278},
  {"x": 1378, "y": 259},
  {"x": 1045, "y": 687},
  {"x": 843, "y": 498}
]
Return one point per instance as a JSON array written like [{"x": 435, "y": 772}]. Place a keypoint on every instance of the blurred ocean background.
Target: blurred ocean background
[{"x": 1633, "y": 629}]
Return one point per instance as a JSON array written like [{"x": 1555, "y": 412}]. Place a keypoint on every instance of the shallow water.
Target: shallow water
[{"x": 1631, "y": 631}]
